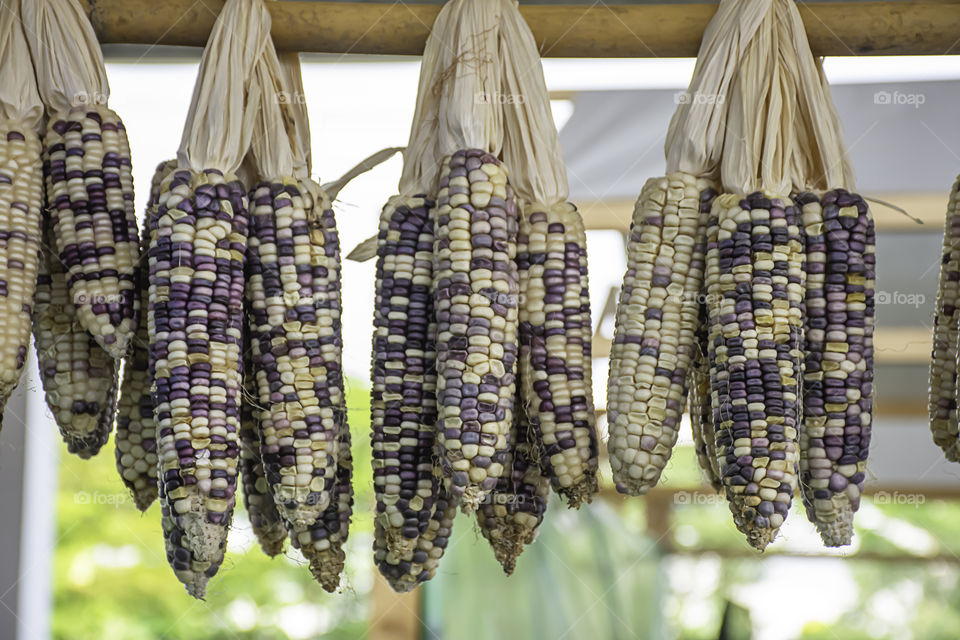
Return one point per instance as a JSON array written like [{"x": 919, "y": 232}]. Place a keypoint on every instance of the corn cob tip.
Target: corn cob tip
[
  {"x": 196, "y": 585},
  {"x": 633, "y": 487},
  {"x": 205, "y": 539},
  {"x": 509, "y": 544},
  {"x": 582, "y": 492},
  {"x": 326, "y": 567},
  {"x": 470, "y": 499},
  {"x": 84, "y": 448},
  {"x": 143, "y": 498},
  {"x": 271, "y": 538},
  {"x": 837, "y": 532},
  {"x": 757, "y": 536}
]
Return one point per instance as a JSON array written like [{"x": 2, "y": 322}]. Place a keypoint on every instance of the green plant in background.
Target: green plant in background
[{"x": 112, "y": 579}]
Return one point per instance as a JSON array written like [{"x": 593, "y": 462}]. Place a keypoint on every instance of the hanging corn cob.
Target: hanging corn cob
[
  {"x": 268, "y": 526},
  {"x": 512, "y": 513},
  {"x": 654, "y": 340},
  {"x": 942, "y": 403},
  {"x": 475, "y": 293},
  {"x": 79, "y": 378},
  {"x": 838, "y": 380},
  {"x": 21, "y": 198},
  {"x": 197, "y": 247},
  {"x": 755, "y": 284},
  {"x": 135, "y": 440},
  {"x": 555, "y": 328},
  {"x": 89, "y": 185},
  {"x": 403, "y": 398}
]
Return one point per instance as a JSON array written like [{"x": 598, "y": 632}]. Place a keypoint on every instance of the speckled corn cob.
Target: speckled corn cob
[
  {"x": 701, "y": 410},
  {"x": 699, "y": 405},
  {"x": 90, "y": 196},
  {"x": 405, "y": 572},
  {"x": 511, "y": 515},
  {"x": 135, "y": 440},
  {"x": 268, "y": 526},
  {"x": 755, "y": 286},
  {"x": 293, "y": 295},
  {"x": 79, "y": 378},
  {"x": 475, "y": 292},
  {"x": 942, "y": 401},
  {"x": 838, "y": 391},
  {"x": 653, "y": 340},
  {"x": 21, "y": 203},
  {"x": 403, "y": 401},
  {"x": 322, "y": 541},
  {"x": 195, "y": 320},
  {"x": 553, "y": 363}
]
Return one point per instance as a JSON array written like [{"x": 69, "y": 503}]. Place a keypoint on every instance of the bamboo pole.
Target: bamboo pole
[{"x": 644, "y": 29}]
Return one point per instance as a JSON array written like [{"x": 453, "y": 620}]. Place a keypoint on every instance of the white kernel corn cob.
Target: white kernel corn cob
[
  {"x": 654, "y": 336},
  {"x": 21, "y": 203},
  {"x": 942, "y": 402}
]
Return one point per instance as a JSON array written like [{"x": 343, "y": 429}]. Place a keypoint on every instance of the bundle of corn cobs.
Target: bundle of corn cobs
[
  {"x": 757, "y": 301},
  {"x": 481, "y": 352}
]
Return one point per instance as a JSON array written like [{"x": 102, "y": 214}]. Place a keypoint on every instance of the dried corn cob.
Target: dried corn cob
[
  {"x": 554, "y": 352},
  {"x": 700, "y": 408},
  {"x": 405, "y": 571},
  {"x": 135, "y": 440},
  {"x": 838, "y": 392},
  {"x": 403, "y": 405},
  {"x": 265, "y": 519},
  {"x": 701, "y": 411},
  {"x": 475, "y": 292},
  {"x": 90, "y": 195},
  {"x": 755, "y": 286},
  {"x": 79, "y": 378},
  {"x": 197, "y": 247},
  {"x": 293, "y": 295},
  {"x": 511, "y": 515},
  {"x": 21, "y": 200},
  {"x": 654, "y": 341},
  {"x": 942, "y": 402},
  {"x": 322, "y": 541}
]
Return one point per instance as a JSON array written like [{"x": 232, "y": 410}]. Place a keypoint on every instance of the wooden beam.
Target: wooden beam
[
  {"x": 640, "y": 29},
  {"x": 929, "y": 208},
  {"x": 393, "y": 616}
]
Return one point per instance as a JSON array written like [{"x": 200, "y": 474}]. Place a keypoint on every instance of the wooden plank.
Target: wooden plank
[
  {"x": 393, "y": 616},
  {"x": 929, "y": 208},
  {"x": 644, "y": 29}
]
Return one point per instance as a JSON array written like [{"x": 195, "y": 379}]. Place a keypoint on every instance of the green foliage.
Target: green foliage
[{"x": 112, "y": 579}]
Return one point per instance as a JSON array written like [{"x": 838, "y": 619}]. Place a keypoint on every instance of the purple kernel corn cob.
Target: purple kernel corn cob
[
  {"x": 511, "y": 515},
  {"x": 555, "y": 349},
  {"x": 942, "y": 400},
  {"x": 755, "y": 286},
  {"x": 654, "y": 337},
  {"x": 475, "y": 293},
  {"x": 292, "y": 289},
  {"x": 135, "y": 440},
  {"x": 406, "y": 571},
  {"x": 838, "y": 380},
  {"x": 21, "y": 204},
  {"x": 403, "y": 401},
  {"x": 195, "y": 321},
  {"x": 268, "y": 526},
  {"x": 90, "y": 197},
  {"x": 79, "y": 378},
  {"x": 322, "y": 541}
]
